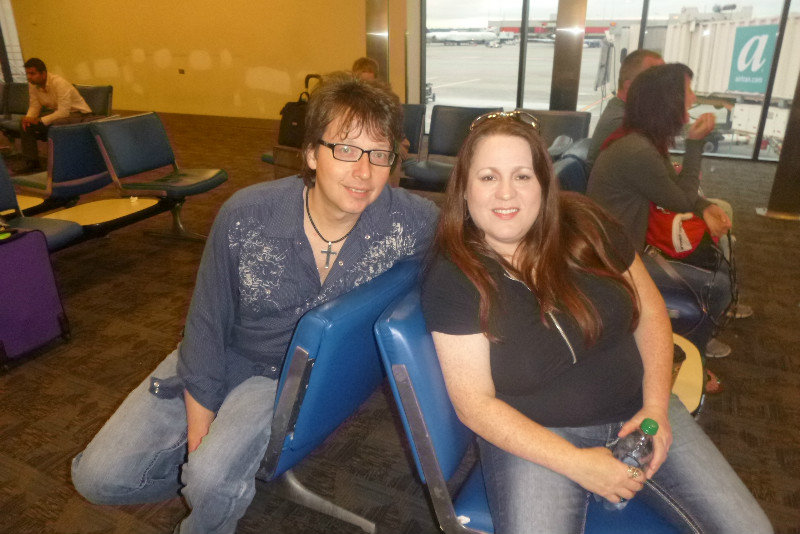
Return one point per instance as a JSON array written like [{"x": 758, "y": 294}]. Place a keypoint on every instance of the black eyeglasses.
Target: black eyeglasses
[
  {"x": 352, "y": 153},
  {"x": 517, "y": 114}
]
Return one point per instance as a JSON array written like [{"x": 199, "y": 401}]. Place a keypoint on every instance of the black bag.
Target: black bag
[{"x": 293, "y": 118}]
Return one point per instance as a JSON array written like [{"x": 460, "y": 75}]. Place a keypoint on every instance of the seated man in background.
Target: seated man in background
[
  {"x": 53, "y": 100},
  {"x": 611, "y": 119},
  {"x": 365, "y": 68},
  {"x": 200, "y": 425}
]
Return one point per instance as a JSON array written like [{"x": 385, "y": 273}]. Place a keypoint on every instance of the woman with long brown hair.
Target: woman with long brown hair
[
  {"x": 634, "y": 169},
  {"x": 553, "y": 341}
]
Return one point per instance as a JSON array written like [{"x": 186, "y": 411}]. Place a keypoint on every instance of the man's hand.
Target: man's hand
[
  {"x": 702, "y": 126},
  {"x": 28, "y": 121},
  {"x": 198, "y": 421},
  {"x": 717, "y": 220}
]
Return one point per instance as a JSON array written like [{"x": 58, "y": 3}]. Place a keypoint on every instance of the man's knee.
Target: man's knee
[{"x": 92, "y": 481}]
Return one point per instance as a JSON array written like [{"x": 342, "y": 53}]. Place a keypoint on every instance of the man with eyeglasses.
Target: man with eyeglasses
[{"x": 200, "y": 424}]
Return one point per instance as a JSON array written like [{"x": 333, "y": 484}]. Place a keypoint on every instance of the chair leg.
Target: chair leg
[
  {"x": 178, "y": 231},
  {"x": 297, "y": 492}
]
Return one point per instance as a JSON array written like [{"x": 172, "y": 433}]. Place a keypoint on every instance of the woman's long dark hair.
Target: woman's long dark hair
[
  {"x": 568, "y": 235},
  {"x": 656, "y": 104}
]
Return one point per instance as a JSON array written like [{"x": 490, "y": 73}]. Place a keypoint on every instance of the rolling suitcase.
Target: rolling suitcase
[
  {"x": 31, "y": 313},
  {"x": 293, "y": 118}
]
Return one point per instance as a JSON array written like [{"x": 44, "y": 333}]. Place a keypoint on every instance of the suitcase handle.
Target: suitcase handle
[{"x": 310, "y": 77}]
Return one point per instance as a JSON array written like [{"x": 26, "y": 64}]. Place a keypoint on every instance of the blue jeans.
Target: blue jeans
[
  {"x": 140, "y": 454},
  {"x": 713, "y": 287},
  {"x": 695, "y": 488}
]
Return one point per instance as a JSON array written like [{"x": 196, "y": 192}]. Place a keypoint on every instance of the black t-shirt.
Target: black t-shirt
[{"x": 532, "y": 365}]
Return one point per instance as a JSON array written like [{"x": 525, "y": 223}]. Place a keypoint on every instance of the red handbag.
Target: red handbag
[{"x": 676, "y": 234}]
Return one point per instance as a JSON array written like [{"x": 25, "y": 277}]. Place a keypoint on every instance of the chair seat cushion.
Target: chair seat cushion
[
  {"x": 472, "y": 503},
  {"x": 33, "y": 181},
  {"x": 426, "y": 175},
  {"x": 183, "y": 183},
  {"x": 59, "y": 234}
]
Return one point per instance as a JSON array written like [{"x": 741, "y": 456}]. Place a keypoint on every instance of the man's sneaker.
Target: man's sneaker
[
  {"x": 740, "y": 311},
  {"x": 717, "y": 349}
]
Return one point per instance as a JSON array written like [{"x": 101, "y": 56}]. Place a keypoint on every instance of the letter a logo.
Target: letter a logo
[{"x": 757, "y": 43}]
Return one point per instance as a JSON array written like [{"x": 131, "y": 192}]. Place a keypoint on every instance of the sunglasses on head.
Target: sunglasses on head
[{"x": 520, "y": 115}]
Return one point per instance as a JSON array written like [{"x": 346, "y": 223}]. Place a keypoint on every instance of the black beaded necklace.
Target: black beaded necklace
[{"x": 329, "y": 252}]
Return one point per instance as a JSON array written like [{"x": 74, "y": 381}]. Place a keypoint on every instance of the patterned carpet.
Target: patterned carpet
[{"x": 126, "y": 296}]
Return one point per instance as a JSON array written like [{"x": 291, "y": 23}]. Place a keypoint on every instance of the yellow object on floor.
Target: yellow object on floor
[{"x": 689, "y": 384}]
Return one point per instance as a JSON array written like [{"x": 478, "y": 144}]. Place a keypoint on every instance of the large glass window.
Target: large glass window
[
  {"x": 612, "y": 30},
  {"x": 730, "y": 49},
  {"x": 473, "y": 49},
  {"x": 472, "y": 52},
  {"x": 784, "y": 87},
  {"x": 539, "y": 64}
]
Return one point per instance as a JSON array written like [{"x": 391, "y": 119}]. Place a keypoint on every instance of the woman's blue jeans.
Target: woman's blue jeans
[
  {"x": 714, "y": 288},
  {"x": 139, "y": 455},
  {"x": 695, "y": 488}
]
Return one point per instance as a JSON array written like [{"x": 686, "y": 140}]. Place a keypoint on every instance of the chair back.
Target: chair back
[
  {"x": 415, "y": 377},
  {"x": 450, "y": 126},
  {"x": 97, "y": 97},
  {"x": 76, "y": 166},
  {"x": 414, "y": 125},
  {"x": 8, "y": 198},
  {"x": 18, "y": 99},
  {"x": 552, "y": 124},
  {"x": 332, "y": 367},
  {"x": 133, "y": 145},
  {"x": 438, "y": 439}
]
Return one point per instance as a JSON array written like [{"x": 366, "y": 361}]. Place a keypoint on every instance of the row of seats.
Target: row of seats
[
  {"x": 132, "y": 153},
  {"x": 450, "y": 126},
  {"x": 564, "y": 132},
  {"x": 15, "y": 100},
  {"x": 333, "y": 365}
]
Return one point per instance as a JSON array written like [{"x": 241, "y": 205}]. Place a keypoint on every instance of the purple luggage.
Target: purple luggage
[{"x": 31, "y": 313}]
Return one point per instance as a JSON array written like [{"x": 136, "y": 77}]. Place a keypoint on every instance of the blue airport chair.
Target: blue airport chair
[
  {"x": 75, "y": 167},
  {"x": 332, "y": 367},
  {"x": 439, "y": 441},
  {"x": 414, "y": 126},
  {"x": 58, "y": 234},
  {"x": 449, "y": 128},
  {"x": 16, "y": 102},
  {"x": 135, "y": 147},
  {"x": 552, "y": 124}
]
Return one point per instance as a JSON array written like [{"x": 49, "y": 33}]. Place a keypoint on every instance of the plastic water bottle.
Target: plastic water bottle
[{"x": 635, "y": 449}]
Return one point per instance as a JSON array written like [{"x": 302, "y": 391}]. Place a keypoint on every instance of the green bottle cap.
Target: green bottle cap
[{"x": 649, "y": 427}]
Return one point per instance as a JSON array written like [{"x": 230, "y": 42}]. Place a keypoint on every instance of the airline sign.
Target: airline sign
[{"x": 752, "y": 58}]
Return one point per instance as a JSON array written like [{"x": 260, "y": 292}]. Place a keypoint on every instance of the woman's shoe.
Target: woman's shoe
[
  {"x": 740, "y": 311},
  {"x": 713, "y": 383},
  {"x": 717, "y": 349}
]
